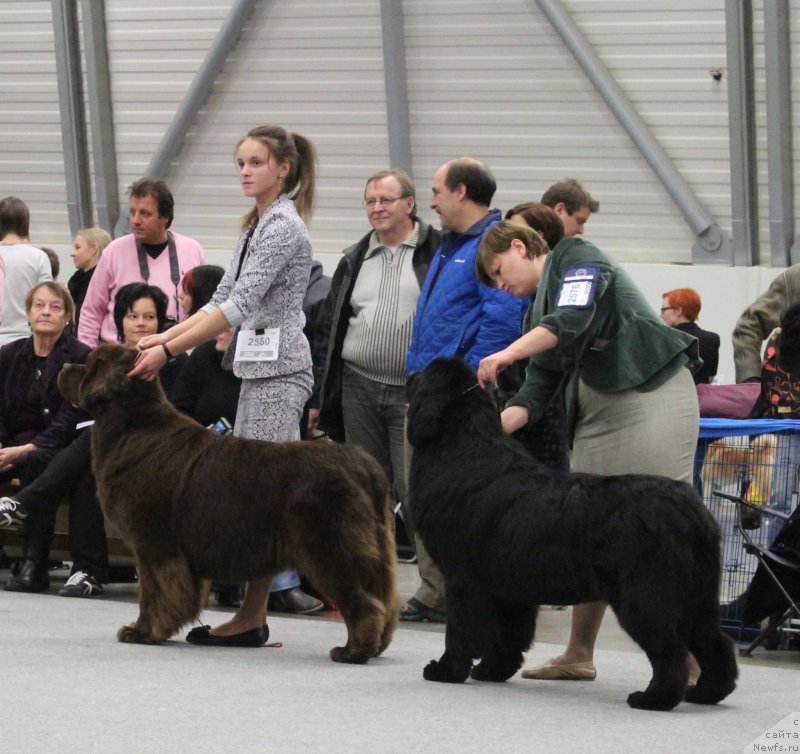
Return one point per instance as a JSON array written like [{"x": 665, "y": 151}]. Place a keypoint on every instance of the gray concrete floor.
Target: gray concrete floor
[
  {"x": 76, "y": 689},
  {"x": 552, "y": 626}
]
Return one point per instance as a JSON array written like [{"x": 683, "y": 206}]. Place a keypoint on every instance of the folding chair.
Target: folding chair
[{"x": 774, "y": 591}]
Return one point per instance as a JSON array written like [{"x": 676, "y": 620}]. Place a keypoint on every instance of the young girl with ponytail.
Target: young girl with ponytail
[{"x": 261, "y": 295}]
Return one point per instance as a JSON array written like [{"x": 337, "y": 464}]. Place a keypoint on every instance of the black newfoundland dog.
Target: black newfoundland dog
[
  {"x": 509, "y": 534},
  {"x": 193, "y": 506}
]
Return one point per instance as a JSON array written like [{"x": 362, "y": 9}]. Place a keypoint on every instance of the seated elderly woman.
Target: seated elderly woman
[
  {"x": 139, "y": 310},
  {"x": 36, "y": 422}
]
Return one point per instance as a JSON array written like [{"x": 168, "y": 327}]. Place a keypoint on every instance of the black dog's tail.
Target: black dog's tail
[
  {"x": 714, "y": 652},
  {"x": 712, "y": 649}
]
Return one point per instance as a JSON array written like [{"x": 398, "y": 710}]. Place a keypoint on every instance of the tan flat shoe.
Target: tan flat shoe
[
  {"x": 694, "y": 671},
  {"x": 574, "y": 671}
]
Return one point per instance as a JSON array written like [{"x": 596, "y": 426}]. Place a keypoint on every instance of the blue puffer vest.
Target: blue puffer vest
[{"x": 456, "y": 314}]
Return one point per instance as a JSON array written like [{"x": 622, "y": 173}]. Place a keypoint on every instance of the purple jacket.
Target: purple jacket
[{"x": 32, "y": 409}]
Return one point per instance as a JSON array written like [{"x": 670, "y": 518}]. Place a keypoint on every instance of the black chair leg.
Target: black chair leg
[{"x": 773, "y": 625}]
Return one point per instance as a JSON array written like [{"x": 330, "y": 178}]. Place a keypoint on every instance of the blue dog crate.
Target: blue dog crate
[{"x": 758, "y": 460}]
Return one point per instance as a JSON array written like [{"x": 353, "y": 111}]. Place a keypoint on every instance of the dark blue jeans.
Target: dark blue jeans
[{"x": 374, "y": 418}]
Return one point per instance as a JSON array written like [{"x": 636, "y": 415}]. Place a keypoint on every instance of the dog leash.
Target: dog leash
[{"x": 468, "y": 390}]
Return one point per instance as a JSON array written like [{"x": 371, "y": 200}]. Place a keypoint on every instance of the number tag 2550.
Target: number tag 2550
[{"x": 258, "y": 345}]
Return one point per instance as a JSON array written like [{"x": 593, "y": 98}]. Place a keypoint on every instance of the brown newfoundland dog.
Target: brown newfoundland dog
[
  {"x": 509, "y": 534},
  {"x": 193, "y": 506}
]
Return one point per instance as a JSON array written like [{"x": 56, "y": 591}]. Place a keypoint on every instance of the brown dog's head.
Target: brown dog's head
[
  {"x": 443, "y": 396},
  {"x": 103, "y": 379}
]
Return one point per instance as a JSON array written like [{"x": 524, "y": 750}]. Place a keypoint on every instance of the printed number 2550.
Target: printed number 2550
[{"x": 259, "y": 340}]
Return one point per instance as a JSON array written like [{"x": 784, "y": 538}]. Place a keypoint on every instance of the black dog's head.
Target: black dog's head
[
  {"x": 104, "y": 379},
  {"x": 442, "y": 397}
]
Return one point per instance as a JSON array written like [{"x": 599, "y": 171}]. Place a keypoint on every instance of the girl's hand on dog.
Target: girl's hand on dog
[{"x": 148, "y": 363}]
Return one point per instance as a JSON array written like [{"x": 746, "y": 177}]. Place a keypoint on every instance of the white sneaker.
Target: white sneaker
[
  {"x": 81, "y": 584},
  {"x": 11, "y": 513}
]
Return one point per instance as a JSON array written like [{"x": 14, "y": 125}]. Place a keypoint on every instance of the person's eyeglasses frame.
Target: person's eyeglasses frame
[{"x": 384, "y": 201}]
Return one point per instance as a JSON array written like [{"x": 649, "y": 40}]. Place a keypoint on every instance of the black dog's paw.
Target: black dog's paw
[
  {"x": 488, "y": 670},
  {"x": 645, "y": 700},
  {"x": 438, "y": 671},
  {"x": 702, "y": 694}
]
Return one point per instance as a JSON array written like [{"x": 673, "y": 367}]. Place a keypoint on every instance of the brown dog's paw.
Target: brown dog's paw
[
  {"x": 352, "y": 656},
  {"x": 130, "y": 634}
]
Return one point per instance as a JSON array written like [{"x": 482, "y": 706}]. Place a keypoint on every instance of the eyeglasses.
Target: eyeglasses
[
  {"x": 384, "y": 201},
  {"x": 666, "y": 308}
]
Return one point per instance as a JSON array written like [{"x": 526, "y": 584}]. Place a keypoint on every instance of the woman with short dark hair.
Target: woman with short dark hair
[
  {"x": 198, "y": 286},
  {"x": 140, "y": 310}
]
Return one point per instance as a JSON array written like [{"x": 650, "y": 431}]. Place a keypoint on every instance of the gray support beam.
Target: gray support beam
[
  {"x": 396, "y": 83},
  {"x": 711, "y": 246},
  {"x": 73, "y": 120},
  {"x": 104, "y": 156},
  {"x": 198, "y": 91},
  {"x": 777, "y": 68},
  {"x": 742, "y": 129}
]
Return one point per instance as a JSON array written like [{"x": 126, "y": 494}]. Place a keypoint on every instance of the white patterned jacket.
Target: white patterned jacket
[{"x": 269, "y": 290}]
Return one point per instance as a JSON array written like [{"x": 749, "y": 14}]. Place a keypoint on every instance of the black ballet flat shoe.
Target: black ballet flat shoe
[{"x": 255, "y": 637}]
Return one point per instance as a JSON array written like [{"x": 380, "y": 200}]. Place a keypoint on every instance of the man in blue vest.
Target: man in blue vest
[{"x": 457, "y": 315}]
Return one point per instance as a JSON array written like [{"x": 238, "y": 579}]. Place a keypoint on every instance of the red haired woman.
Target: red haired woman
[{"x": 680, "y": 309}]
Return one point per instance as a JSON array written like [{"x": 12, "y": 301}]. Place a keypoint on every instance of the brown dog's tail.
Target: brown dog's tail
[
  {"x": 385, "y": 537},
  {"x": 386, "y": 583}
]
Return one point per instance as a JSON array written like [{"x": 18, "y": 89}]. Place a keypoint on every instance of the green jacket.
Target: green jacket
[
  {"x": 760, "y": 319},
  {"x": 612, "y": 339}
]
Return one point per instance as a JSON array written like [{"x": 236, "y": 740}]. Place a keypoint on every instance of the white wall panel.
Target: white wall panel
[
  {"x": 31, "y": 159},
  {"x": 315, "y": 68},
  {"x": 488, "y": 79},
  {"x": 503, "y": 87}
]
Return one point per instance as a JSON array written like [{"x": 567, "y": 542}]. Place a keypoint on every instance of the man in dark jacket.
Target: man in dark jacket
[
  {"x": 366, "y": 330},
  {"x": 314, "y": 307}
]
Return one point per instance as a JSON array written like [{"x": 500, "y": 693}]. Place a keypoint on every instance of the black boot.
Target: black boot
[{"x": 32, "y": 575}]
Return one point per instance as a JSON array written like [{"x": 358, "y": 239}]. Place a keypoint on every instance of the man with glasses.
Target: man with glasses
[{"x": 359, "y": 393}]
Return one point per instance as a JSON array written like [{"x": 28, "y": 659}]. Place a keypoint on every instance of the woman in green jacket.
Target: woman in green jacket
[{"x": 631, "y": 401}]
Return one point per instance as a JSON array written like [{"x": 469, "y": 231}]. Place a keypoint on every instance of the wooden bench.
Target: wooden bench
[{"x": 119, "y": 555}]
